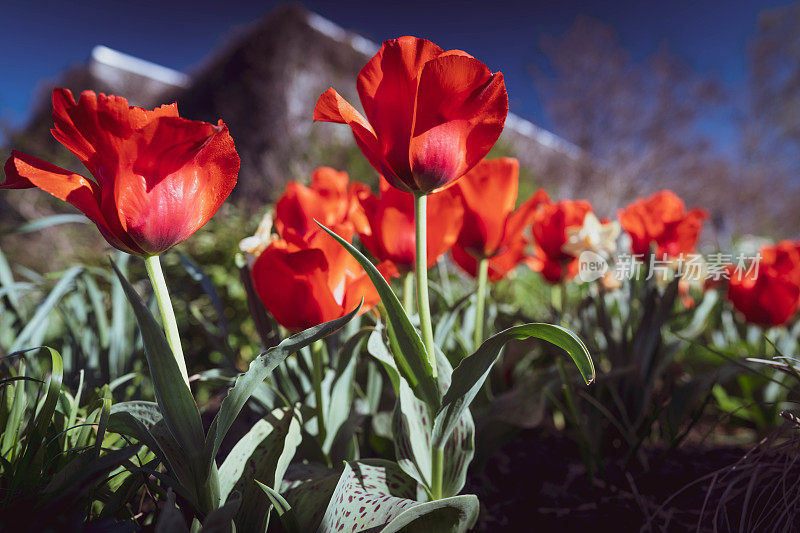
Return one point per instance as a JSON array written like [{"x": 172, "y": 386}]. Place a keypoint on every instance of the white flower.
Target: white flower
[
  {"x": 254, "y": 245},
  {"x": 593, "y": 236}
]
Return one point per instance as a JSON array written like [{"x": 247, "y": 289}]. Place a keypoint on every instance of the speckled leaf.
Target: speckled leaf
[
  {"x": 263, "y": 454},
  {"x": 412, "y": 427},
  {"x": 376, "y": 495},
  {"x": 448, "y": 515}
]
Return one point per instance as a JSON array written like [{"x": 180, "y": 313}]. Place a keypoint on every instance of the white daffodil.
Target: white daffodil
[
  {"x": 592, "y": 236},
  {"x": 254, "y": 245}
]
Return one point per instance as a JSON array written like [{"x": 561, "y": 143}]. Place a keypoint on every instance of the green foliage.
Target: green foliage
[{"x": 59, "y": 463}]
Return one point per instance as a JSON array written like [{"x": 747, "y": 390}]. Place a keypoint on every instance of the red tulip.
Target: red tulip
[
  {"x": 431, "y": 115},
  {"x": 328, "y": 200},
  {"x": 770, "y": 294},
  {"x": 492, "y": 229},
  {"x": 550, "y": 223},
  {"x": 301, "y": 285},
  {"x": 499, "y": 265},
  {"x": 158, "y": 177},
  {"x": 662, "y": 219},
  {"x": 385, "y": 224}
]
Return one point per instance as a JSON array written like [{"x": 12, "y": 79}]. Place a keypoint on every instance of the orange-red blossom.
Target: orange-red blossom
[
  {"x": 158, "y": 177},
  {"x": 431, "y": 115}
]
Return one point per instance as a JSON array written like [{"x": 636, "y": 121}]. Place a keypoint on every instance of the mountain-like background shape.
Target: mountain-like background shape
[{"x": 264, "y": 83}]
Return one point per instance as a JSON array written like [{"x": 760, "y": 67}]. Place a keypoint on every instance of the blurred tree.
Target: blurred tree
[
  {"x": 646, "y": 127},
  {"x": 771, "y": 122}
]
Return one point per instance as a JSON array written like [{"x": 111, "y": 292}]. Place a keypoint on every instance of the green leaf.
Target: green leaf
[
  {"x": 376, "y": 347},
  {"x": 412, "y": 430},
  {"x": 308, "y": 488},
  {"x": 446, "y": 322},
  {"x": 8, "y": 284},
  {"x": 170, "y": 519},
  {"x": 469, "y": 376},
  {"x": 220, "y": 520},
  {"x": 260, "y": 368},
  {"x": 198, "y": 274},
  {"x": 339, "y": 391},
  {"x": 413, "y": 361},
  {"x": 143, "y": 421},
  {"x": 375, "y": 495},
  {"x": 53, "y": 220},
  {"x": 118, "y": 345},
  {"x": 262, "y": 455},
  {"x": 282, "y": 507},
  {"x": 174, "y": 398},
  {"x": 45, "y": 416},
  {"x": 34, "y": 327}
]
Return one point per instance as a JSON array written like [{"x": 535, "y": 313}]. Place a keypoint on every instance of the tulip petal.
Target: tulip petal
[
  {"x": 387, "y": 86},
  {"x": 489, "y": 192},
  {"x": 25, "y": 171},
  {"x": 183, "y": 172},
  {"x": 524, "y": 215},
  {"x": 294, "y": 287},
  {"x": 550, "y": 223},
  {"x": 461, "y": 110},
  {"x": 331, "y": 107},
  {"x": 362, "y": 287},
  {"x": 99, "y": 129}
]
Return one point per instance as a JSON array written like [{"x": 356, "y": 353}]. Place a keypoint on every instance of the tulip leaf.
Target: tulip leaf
[
  {"x": 143, "y": 421},
  {"x": 413, "y": 361},
  {"x": 469, "y": 376},
  {"x": 376, "y": 347},
  {"x": 262, "y": 455},
  {"x": 411, "y": 428},
  {"x": 45, "y": 416},
  {"x": 375, "y": 495},
  {"x": 174, "y": 398},
  {"x": 260, "y": 368}
]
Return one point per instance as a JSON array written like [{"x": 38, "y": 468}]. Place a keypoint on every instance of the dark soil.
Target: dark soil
[{"x": 536, "y": 482}]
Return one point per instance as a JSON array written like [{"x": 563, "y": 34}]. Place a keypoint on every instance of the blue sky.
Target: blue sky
[{"x": 42, "y": 38}]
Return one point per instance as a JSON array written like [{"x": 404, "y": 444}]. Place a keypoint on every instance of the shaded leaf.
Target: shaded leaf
[
  {"x": 261, "y": 456},
  {"x": 260, "y": 368},
  {"x": 413, "y": 359},
  {"x": 469, "y": 376}
]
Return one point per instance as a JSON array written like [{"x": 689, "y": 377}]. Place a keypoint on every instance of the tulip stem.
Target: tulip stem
[
  {"x": 483, "y": 279},
  {"x": 317, "y": 370},
  {"x": 170, "y": 325},
  {"x": 408, "y": 293},
  {"x": 421, "y": 258},
  {"x": 437, "y": 471}
]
